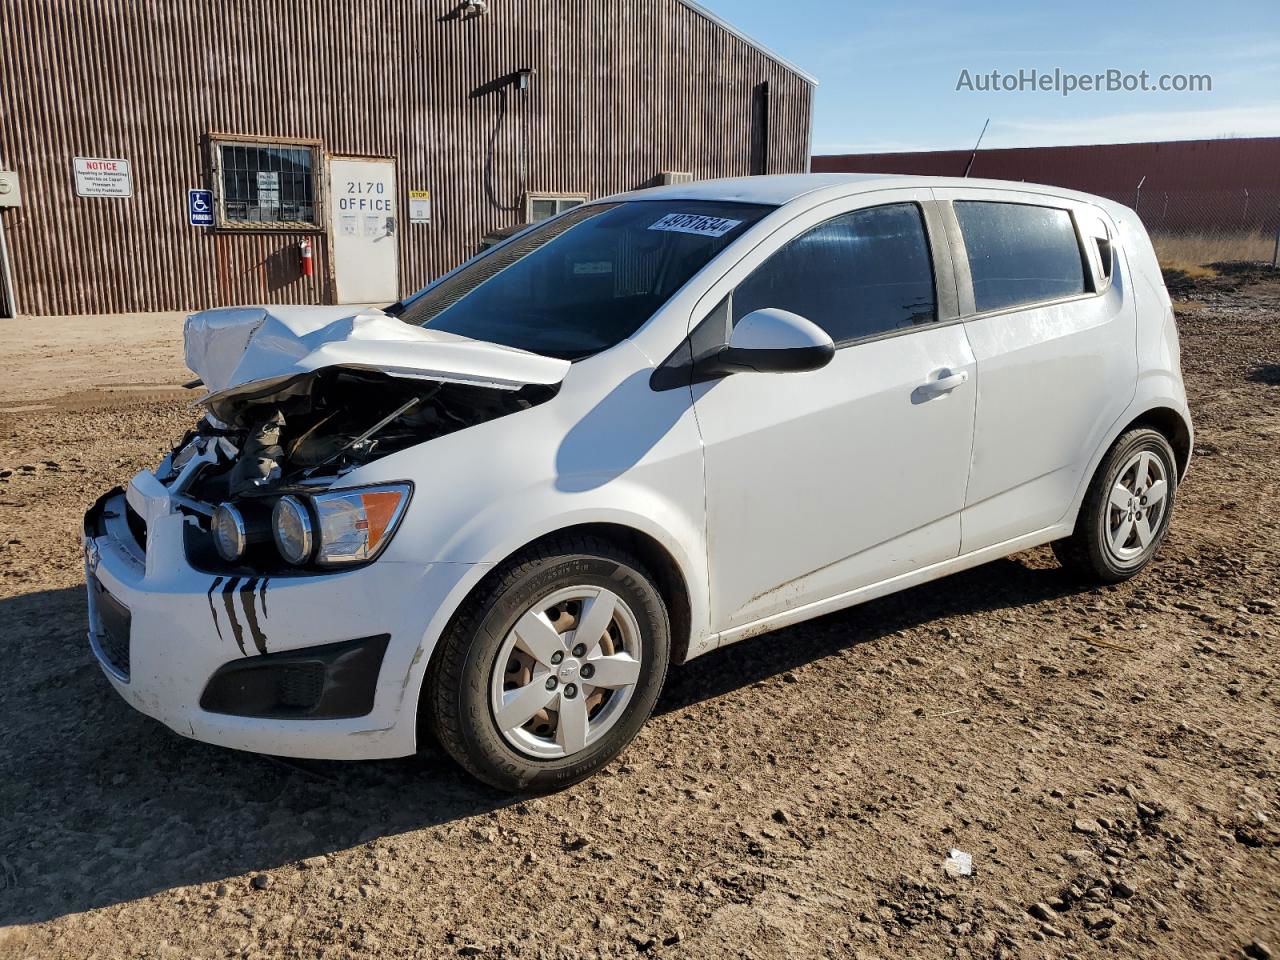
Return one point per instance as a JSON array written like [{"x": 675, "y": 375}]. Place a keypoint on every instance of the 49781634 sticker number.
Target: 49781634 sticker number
[{"x": 696, "y": 224}]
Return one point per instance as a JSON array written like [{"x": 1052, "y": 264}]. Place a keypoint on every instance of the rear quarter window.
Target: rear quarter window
[{"x": 1020, "y": 253}]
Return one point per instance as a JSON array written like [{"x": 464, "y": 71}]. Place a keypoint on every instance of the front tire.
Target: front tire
[
  {"x": 525, "y": 700},
  {"x": 1126, "y": 511}
]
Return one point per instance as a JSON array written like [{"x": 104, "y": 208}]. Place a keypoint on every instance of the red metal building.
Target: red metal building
[{"x": 1175, "y": 185}]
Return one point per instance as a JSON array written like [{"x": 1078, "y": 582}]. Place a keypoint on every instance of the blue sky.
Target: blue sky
[{"x": 888, "y": 73}]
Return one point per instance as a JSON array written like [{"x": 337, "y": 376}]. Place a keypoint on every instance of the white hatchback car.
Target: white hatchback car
[{"x": 654, "y": 425}]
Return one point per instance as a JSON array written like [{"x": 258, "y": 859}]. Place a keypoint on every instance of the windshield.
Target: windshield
[{"x": 585, "y": 281}]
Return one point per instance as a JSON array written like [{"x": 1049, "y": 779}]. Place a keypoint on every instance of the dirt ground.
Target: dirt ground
[
  {"x": 88, "y": 361},
  {"x": 1109, "y": 758}
]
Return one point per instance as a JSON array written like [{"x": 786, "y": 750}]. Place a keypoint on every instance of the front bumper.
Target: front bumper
[{"x": 162, "y": 629}]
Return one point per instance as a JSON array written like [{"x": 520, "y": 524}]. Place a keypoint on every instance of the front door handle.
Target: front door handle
[{"x": 944, "y": 384}]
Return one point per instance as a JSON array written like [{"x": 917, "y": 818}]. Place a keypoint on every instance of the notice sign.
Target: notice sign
[
  {"x": 419, "y": 206},
  {"x": 268, "y": 189},
  {"x": 98, "y": 177}
]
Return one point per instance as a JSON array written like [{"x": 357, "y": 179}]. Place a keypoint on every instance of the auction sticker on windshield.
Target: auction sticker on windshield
[{"x": 695, "y": 223}]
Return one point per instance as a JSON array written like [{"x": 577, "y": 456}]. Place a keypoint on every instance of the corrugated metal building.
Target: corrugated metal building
[
  {"x": 390, "y": 134},
  {"x": 1178, "y": 185}
]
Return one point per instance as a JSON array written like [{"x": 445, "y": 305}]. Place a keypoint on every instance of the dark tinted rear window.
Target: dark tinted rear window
[{"x": 1020, "y": 253}]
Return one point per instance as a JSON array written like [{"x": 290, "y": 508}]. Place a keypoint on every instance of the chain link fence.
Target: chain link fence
[{"x": 1210, "y": 226}]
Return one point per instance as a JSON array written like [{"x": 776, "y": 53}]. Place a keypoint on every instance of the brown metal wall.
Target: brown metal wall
[
  {"x": 1186, "y": 184},
  {"x": 1104, "y": 169},
  {"x": 624, "y": 89}
]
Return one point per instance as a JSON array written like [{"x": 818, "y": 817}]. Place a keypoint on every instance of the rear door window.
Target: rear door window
[
  {"x": 1020, "y": 253},
  {"x": 859, "y": 275}
]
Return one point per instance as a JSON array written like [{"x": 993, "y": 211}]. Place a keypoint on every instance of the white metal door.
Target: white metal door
[
  {"x": 1052, "y": 379},
  {"x": 819, "y": 483},
  {"x": 362, "y": 223},
  {"x": 823, "y": 482}
]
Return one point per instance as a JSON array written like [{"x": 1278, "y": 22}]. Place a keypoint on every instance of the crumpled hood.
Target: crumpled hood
[{"x": 248, "y": 349}]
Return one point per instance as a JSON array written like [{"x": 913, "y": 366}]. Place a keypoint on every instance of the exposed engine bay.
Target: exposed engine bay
[
  {"x": 253, "y": 474},
  {"x": 323, "y": 425},
  {"x": 298, "y": 397}
]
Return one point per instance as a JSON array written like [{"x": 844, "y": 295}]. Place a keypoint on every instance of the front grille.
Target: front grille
[
  {"x": 301, "y": 685},
  {"x": 112, "y": 629}
]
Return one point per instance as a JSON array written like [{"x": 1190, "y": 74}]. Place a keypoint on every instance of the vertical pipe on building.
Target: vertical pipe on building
[
  {"x": 8, "y": 293},
  {"x": 813, "y": 102}
]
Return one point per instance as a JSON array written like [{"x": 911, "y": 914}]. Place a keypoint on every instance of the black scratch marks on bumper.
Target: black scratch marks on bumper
[
  {"x": 217, "y": 582},
  {"x": 262, "y": 594},
  {"x": 248, "y": 597},
  {"x": 228, "y": 602}
]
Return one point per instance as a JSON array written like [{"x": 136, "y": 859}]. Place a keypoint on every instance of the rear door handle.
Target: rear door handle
[{"x": 944, "y": 384}]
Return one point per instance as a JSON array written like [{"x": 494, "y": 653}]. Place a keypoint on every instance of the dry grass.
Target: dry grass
[
  {"x": 1190, "y": 251},
  {"x": 1194, "y": 270}
]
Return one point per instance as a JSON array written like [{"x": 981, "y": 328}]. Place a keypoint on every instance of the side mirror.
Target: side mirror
[{"x": 771, "y": 341}]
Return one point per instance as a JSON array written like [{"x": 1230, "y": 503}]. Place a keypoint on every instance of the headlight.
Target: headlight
[
  {"x": 291, "y": 527},
  {"x": 230, "y": 535},
  {"x": 355, "y": 525}
]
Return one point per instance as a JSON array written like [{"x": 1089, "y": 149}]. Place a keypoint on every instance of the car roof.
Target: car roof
[{"x": 780, "y": 189}]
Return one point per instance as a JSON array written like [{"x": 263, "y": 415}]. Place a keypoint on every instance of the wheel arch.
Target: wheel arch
[
  {"x": 670, "y": 581},
  {"x": 1164, "y": 418},
  {"x": 673, "y": 577},
  {"x": 670, "y": 578},
  {"x": 1175, "y": 428}
]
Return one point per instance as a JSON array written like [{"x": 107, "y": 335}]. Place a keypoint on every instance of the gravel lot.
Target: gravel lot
[{"x": 1109, "y": 758}]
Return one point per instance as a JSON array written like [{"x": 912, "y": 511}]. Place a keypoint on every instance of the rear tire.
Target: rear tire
[
  {"x": 1126, "y": 511},
  {"x": 514, "y": 649}
]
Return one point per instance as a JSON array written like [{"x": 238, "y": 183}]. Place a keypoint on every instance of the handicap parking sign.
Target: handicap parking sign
[{"x": 200, "y": 208}]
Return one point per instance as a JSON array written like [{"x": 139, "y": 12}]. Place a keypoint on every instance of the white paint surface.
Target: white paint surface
[
  {"x": 363, "y": 228},
  {"x": 246, "y": 348}
]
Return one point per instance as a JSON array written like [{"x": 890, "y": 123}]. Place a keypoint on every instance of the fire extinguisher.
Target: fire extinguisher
[{"x": 308, "y": 264}]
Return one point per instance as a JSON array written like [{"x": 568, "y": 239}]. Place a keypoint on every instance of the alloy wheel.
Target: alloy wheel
[
  {"x": 1136, "y": 507},
  {"x": 565, "y": 672}
]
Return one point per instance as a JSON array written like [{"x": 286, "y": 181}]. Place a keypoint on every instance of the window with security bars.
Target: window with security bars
[{"x": 267, "y": 184}]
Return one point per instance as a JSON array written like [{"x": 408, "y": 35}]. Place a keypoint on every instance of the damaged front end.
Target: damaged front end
[{"x": 301, "y": 397}]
